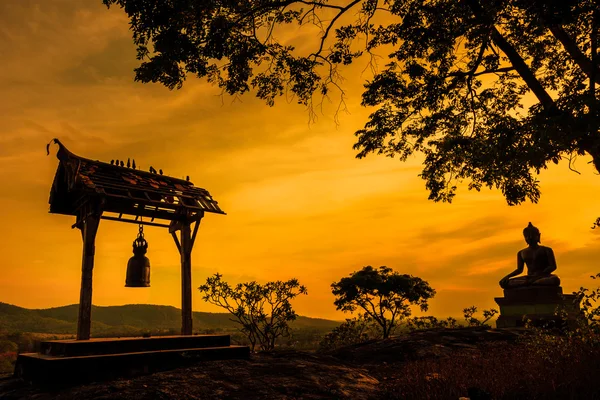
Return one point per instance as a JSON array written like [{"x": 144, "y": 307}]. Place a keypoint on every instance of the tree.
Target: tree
[
  {"x": 385, "y": 296},
  {"x": 455, "y": 87},
  {"x": 263, "y": 311}
]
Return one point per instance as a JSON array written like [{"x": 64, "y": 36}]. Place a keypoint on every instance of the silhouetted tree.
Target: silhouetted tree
[
  {"x": 454, "y": 88},
  {"x": 385, "y": 296},
  {"x": 263, "y": 311}
]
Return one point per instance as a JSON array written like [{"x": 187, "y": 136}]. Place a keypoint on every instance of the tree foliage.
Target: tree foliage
[
  {"x": 263, "y": 311},
  {"x": 590, "y": 307},
  {"x": 457, "y": 86},
  {"x": 384, "y": 296}
]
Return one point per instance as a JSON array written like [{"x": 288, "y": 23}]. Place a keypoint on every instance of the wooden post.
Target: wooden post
[
  {"x": 89, "y": 227},
  {"x": 186, "y": 279},
  {"x": 185, "y": 250}
]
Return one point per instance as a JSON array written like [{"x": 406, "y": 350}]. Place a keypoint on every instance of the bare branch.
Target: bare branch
[
  {"x": 572, "y": 158},
  {"x": 332, "y": 22}
]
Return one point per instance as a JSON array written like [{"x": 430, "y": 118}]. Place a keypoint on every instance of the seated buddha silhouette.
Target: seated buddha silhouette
[{"x": 539, "y": 260}]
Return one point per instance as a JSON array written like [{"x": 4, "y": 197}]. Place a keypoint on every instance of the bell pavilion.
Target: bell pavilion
[{"x": 92, "y": 191}]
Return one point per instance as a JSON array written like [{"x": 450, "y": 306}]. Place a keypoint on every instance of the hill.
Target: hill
[{"x": 131, "y": 318}]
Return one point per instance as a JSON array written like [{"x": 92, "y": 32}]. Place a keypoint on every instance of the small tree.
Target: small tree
[
  {"x": 385, "y": 296},
  {"x": 263, "y": 311},
  {"x": 472, "y": 321}
]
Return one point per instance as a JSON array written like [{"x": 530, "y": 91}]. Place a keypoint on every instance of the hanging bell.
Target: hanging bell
[{"x": 138, "y": 267}]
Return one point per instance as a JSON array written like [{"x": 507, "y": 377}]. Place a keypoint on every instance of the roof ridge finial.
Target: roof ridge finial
[{"x": 61, "y": 147}]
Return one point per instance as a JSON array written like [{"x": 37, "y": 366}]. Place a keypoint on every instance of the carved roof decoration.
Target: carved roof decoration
[{"x": 123, "y": 190}]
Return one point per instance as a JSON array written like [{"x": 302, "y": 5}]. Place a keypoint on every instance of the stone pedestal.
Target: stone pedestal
[
  {"x": 80, "y": 361},
  {"x": 536, "y": 303}
]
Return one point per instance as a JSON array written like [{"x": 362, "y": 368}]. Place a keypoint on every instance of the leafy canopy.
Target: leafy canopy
[
  {"x": 489, "y": 91},
  {"x": 384, "y": 296},
  {"x": 263, "y": 311}
]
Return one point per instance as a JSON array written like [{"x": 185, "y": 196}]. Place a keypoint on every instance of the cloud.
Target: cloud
[
  {"x": 484, "y": 227},
  {"x": 111, "y": 64}
]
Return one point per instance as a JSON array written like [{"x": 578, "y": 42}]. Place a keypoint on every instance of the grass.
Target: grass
[{"x": 567, "y": 369}]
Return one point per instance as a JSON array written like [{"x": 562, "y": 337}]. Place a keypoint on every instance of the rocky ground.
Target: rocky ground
[{"x": 357, "y": 372}]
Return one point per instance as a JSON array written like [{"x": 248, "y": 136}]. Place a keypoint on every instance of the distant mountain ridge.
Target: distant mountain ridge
[{"x": 130, "y": 318}]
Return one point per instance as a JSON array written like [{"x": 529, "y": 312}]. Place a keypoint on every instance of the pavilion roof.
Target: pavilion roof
[{"x": 124, "y": 190}]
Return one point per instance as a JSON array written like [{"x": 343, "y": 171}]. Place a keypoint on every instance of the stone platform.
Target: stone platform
[
  {"x": 536, "y": 303},
  {"x": 79, "y": 361}
]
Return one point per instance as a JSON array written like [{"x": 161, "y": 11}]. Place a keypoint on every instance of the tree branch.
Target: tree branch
[
  {"x": 515, "y": 58},
  {"x": 271, "y": 6},
  {"x": 332, "y": 22},
  {"x": 459, "y": 74},
  {"x": 571, "y": 47}
]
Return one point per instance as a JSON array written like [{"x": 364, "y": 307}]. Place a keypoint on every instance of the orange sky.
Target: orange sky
[{"x": 298, "y": 203}]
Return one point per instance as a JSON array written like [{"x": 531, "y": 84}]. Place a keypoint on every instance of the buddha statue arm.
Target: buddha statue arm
[
  {"x": 551, "y": 262},
  {"x": 519, "y": 270}
]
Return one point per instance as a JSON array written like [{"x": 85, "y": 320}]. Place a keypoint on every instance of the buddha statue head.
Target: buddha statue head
[{"x": 531, "y": 234}]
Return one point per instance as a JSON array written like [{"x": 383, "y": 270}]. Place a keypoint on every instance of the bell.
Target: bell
[{"x": 138, "y": 267}]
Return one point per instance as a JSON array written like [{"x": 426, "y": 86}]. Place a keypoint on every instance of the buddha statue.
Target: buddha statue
[{"x": 539, "y": 260}]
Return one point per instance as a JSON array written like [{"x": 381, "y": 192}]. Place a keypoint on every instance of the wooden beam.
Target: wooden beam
[
  {"x": 148, "y": 190},
  {"x": 140, "y": 212},
  {"x": 176, "y": 242},
  {"x": 134, "y": 221},
  {"x": 89, "y": 228},
  {"x": 195, "y": 231},
  {"x": 175, "y": 226},
  {"x": 186, "y": 279}
]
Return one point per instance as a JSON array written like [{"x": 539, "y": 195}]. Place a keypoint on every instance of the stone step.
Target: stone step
[
  {"x": 99, "y": 346},
  {"x": 45, "y": 369}
]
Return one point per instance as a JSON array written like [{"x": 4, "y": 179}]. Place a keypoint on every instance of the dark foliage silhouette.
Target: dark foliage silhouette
[
  {"x": 384, "y": 296},
  {"x": 454, "y": 88},
  {"x": 263, "y": 311}
]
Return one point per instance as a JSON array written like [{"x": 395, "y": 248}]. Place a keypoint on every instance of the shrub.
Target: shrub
[
  {"x": 263, "y": 311},
  {"x": 8, "y": 346},
  {"x": 589, "y": 307},
  {"x": 472, "y": 321},
  {"x": 571, "y": 332},
  {"x": 352, "y": 331},
  {"x": 430, "y": 322},
  {"x": 7, "y": 361}
]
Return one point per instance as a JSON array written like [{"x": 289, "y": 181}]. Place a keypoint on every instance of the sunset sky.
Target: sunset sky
[{"x": 299, "y": 203}]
